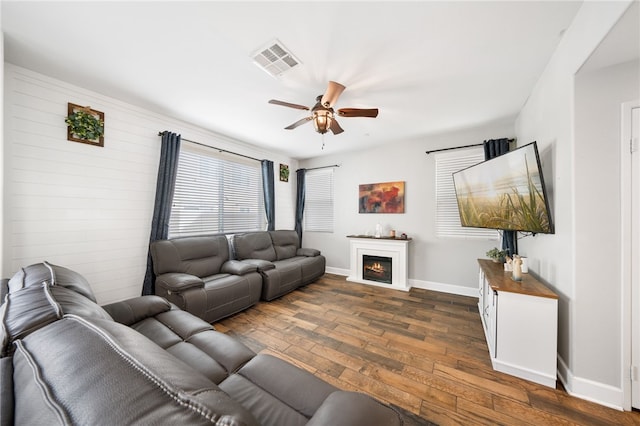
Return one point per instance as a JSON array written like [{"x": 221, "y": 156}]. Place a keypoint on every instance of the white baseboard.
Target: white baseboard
[
  {"x": 445, "y": 288},
  {"x": 589, "y": 390},
  {"x": 427, "y": 285},
  {"x": 337, "y": 271}
]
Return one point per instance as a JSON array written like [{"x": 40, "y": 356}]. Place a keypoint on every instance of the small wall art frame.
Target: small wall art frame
[
  {"x": 85, "y": 125},
  {"x": 284, "y": 172},
  {"x": 387, "y": 197}
]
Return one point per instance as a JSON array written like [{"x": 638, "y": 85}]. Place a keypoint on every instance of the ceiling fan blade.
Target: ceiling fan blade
[
  {"x": 358, "y": 112},
  {"x": 335, "y": 127},
  {"x": 330, "y": 97},
  {"x": 298, "y": 123},
  {"x": 287, "y": 104}
]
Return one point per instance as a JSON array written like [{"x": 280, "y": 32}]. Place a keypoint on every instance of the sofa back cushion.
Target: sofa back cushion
[
  {"x": 254, "y": 245},
  {"x": 199, "y": 256},
  {"x": 286, "y": 243}
]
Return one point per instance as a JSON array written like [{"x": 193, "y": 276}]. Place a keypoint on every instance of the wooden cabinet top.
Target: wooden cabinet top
[{"x": 500, "y": 280}]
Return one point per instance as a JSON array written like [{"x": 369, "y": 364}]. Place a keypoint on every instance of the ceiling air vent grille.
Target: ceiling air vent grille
[{"x": 275, "y": 59}]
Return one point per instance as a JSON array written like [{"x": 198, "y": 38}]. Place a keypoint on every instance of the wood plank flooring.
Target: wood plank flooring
[{"x": 421, "y": 350}]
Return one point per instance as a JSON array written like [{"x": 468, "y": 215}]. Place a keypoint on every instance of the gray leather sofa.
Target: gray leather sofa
[
  {"x": 66, "y": 360},
  {"x": 197, "y": 275},
  {"x": 284, "y": 266}
]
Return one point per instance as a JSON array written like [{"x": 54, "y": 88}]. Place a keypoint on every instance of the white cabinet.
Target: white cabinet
[{"x": 520, "y": 321}]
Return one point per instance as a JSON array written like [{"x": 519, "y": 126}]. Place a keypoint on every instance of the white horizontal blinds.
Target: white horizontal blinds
[
  {"x": 216, "y": 193},
  {"x": 318, "y": 204},
  {"x": 447, "y": 216}
]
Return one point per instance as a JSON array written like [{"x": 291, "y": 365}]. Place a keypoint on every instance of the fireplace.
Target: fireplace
[
  {"x": 369, "y": 257},
  {"x": 377, "y": 268}
]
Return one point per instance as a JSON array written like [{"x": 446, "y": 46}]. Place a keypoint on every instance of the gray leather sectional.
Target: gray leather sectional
[
  {"x": 66, "y": 360},
  {"x": 202, "y": 275}
]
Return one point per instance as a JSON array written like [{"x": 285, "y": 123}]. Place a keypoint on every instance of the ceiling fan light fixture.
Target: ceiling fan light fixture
[
  {"x": 322, "y": 120},
  {"x": 332, "y": 94}
]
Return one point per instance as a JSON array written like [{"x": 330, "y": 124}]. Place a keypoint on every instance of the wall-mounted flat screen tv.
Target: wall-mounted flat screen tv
[{"x": 505, "y": 192}]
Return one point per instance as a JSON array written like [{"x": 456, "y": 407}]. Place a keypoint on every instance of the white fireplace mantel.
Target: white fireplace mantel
[{"x": 395, "y": 248}]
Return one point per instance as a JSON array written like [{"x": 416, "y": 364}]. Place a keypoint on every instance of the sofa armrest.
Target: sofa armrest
[
  {"x": 136, "y": 309},
  {"x": 309, "y": 252},
  {"x": 262, "y": 265},
  {"x": 176, "y": 282},
  {"x": 236, "y": 267},
  {"x": 354, "y": 409}
]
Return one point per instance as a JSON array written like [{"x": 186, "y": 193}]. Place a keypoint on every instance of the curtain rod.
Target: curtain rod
[
  {"x": 321, "y": 167},
  {"x": 459, "y": 147},
  {"x": 213, "y": 147}
]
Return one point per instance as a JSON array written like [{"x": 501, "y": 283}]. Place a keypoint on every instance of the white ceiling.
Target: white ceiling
[{"x": 430, "y": 67}]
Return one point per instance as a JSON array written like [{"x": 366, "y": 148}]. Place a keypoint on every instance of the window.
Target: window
[
  {"x": 216, "y": 193},
  {"x": 318, "y": 204},
  {"x": 447, "y": 216}
]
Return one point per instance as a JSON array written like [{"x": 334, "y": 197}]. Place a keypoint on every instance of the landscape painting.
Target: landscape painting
[{"x": 385, "y": 197}]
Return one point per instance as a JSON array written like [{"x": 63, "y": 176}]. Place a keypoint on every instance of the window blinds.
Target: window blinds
[
  {"x": 318, "y": 204},
  {"x": 216, "y": 193},
  {"x": 447, "y": 216}
]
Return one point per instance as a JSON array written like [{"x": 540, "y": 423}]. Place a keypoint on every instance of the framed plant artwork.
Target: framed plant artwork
[
  {"x": 385, "y": 197},
  {"x": 284, "y": 173},
  {"x": 84, "y": 125}
]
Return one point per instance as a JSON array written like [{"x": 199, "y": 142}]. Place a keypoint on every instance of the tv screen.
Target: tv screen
[{"x": 505, "y": 192}]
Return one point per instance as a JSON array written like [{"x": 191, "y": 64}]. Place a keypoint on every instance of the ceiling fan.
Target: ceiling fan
[{"x": 322, "y": 112}]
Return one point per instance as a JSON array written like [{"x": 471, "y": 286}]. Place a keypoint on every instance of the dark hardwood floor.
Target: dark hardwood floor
[{"x": 421, "y": 350}]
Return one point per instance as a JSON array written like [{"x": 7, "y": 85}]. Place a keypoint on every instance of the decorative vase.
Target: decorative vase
[{"x": 517, "y": 269}]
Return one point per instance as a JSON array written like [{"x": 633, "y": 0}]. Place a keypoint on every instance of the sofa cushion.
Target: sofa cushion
[
  {"x": 254, "y": 245},
  {"x": 118, "y": 377},
  {"x": 286, "y": 243},
  {"x": 193, "y": 340},
  {"x": 199, "y": 256}
]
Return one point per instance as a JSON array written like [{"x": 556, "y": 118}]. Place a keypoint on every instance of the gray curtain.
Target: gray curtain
[
  {"x": 494, "y": 148},
  {"x": 268, "y": 190},
  {"x": 165, "y": 186},
  {"x": 300, "y": 175}
]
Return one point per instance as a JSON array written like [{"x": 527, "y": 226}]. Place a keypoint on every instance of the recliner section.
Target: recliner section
[
  {"x": 197, "y": 275},
  {"x": 277, "y": 255}
]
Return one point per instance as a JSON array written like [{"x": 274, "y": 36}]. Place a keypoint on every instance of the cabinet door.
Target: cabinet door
[
  {"x": 481, "y": 293},
  {"x": 487, "y": 300},
  {"x": 491, "y": 323}
]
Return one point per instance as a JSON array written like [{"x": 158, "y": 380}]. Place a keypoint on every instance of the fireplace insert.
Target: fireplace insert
[{"x": 376, "y": 268}]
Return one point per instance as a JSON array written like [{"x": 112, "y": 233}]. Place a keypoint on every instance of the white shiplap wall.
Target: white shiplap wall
[{"x": 85, "y": 207}]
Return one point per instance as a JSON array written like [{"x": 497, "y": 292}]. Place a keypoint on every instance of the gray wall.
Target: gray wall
[
  {"x": 598, "y": 96},
  {"x": 445, "y": 264},
  {"x": 589, "y": 319}
]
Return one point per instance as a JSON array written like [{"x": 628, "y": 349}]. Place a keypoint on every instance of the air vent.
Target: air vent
[{"x": 275, "y": 59}]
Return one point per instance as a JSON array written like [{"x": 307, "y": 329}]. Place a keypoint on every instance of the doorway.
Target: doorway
[{"x": 630, "y": 185}]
